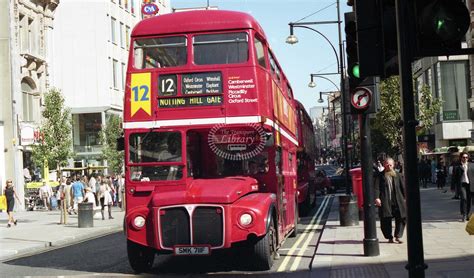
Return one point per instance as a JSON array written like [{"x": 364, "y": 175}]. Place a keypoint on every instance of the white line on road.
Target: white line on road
[{"x": 306, "y": 231}]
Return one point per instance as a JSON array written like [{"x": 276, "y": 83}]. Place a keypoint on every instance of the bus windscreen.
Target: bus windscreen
[
  {"x": 160, "y": 52},
  {"x": 230, "y": 48}
]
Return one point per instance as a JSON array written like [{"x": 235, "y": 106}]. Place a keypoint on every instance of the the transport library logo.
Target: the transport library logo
[{"x": 237, "y": 143}]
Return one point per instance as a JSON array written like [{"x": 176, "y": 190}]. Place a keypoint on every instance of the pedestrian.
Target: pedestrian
[
  {"x": 45, "y": 193},
  {"x": 455, "y": 183},
  {"x": 121, "y": 190},
  {"x": 105, "y": 197},
  {"x": 10, "y": 194},
  {"x": 390, "y": 198},
  {"x": 465, "y": 177},
  {"x": 90, "y": 198},
  {"x": 427, "y": 172},
  {"x": 441, "y": 175},
  {"x": 68, "y": 198},
  {"x": 77, "y": 193}
]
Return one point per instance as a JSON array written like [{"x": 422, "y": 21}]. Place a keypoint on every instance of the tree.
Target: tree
[
  {"x": 108, "y": 137},
  {"x": 56, "y": 146},
  {"x": 388, "y": 122}
]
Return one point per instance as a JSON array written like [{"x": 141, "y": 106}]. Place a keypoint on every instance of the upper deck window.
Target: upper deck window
[
  {"x": 160, "y": 52},
  {"x": 228, "y": 48},
  {"x": 259, "y": 49}
]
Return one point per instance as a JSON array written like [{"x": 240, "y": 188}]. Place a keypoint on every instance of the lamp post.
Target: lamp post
[
  {"x": 312, "y": 84},
  {"x": 292, "y": 39}
]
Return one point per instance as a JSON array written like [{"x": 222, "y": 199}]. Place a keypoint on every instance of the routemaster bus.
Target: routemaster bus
[
  {"x": 306, "y": 156},
  {"x": 210, "y": 140}
]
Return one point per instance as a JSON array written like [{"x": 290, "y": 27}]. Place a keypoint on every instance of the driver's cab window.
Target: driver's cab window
[{"x": 152, "y": 149}]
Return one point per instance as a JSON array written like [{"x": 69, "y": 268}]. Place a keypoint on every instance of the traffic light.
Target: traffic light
[
  {"x": 353, "y": 69},
  {"x": 388, "y": 25},
  {"x": 369, "y": 38},
  {"x": 440, "y": 27}
]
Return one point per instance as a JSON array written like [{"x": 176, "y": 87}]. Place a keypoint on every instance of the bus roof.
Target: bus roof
[{"x": 196, "y": 21}]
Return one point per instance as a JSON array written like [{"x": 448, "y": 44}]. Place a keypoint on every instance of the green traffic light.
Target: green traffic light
[
  {"x": 440, "y": 24},
  {"x": 356, "y": 71}
]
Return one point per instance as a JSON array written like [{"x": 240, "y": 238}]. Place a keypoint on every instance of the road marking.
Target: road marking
[
  {"x": 295, "y": 245},
  {"x": 300, "y": 254}
]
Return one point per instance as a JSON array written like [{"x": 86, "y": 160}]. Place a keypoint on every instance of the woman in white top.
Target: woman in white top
[{"x": 105, "y": 197}]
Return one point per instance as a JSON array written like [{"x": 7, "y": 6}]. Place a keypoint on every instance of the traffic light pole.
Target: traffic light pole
[
  {"x": 344, "y": 108},
  {"x": 416, "y": 266},
  {"x": 371, "y": 242}
]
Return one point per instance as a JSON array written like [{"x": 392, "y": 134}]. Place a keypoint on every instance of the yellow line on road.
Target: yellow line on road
[
  {"x": 300, "y": 254},
  {"x": 300, "y": 239}
]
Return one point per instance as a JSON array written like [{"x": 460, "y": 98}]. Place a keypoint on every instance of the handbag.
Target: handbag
[
  {"x": 3, "y": 202},
  {"x": 470, "y": 226}
]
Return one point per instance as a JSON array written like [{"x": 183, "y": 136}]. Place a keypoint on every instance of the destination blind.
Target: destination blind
[
  {"x": 189, "y": 101},
  {"x": 201, "y": 83}
]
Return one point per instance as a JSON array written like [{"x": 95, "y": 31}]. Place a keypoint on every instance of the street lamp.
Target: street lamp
[
  {"x": 320, "y": 100},
  {"x": 345, "y": 219},
  {"x": 312, "y": 84}
]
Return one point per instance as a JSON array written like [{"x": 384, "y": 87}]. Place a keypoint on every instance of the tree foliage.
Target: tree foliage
[
  {"x": 109, "y": 135},
  {"x": 55, "y": 128},
  {"x": 388, "y": 121}
]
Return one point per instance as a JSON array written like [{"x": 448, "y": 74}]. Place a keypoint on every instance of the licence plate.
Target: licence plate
[{"x": 192, "y": 250}]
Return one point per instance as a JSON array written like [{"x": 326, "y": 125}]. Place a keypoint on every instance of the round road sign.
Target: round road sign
[{"x": 361, "y": 98}]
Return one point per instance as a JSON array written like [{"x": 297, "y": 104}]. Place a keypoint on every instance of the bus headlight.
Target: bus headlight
[
  {"x": 139, "y": 222},
  {"x": 245, "y": 219}
]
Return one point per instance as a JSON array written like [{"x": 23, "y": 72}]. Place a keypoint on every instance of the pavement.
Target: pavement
[
  {"x": 39, "y": 231},
  {"x": 448, "y": 249}
]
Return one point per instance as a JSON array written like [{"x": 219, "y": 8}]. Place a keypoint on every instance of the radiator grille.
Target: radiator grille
[
  {"x": 207, "y": 226},
  {"x": 175, "y": 227},
  {"x": 208, "y": 223}
]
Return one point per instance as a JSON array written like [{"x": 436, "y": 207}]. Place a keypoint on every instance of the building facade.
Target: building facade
[
  {"x": 91, "y": 45},
  {"x": 25, "y": 40}
]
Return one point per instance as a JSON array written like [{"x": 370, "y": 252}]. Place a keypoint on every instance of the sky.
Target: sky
[{"x": 312, "y": 54}]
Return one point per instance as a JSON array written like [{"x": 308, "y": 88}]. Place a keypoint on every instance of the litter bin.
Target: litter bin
[
  {"x": 85, "y": 215},
  {"x": 348, "y": 211},
  {"x": 356, "y": 175}
]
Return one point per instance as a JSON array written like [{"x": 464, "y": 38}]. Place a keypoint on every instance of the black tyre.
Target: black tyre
[
  {"x": 305, "y": 207},
  {"x": 295, "y": 231},
  {"x": 265, "y": 248},
  {"x": 140, "y": 257}
]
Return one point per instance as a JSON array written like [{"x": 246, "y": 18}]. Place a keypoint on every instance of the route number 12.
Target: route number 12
[{"x": 167, "y": 85}]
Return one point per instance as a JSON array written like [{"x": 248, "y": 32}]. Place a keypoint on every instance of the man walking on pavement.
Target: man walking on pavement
[
  {"x": 464, "y": 175},
  {"x": 390, "y": 198},
  {"x": 77, "y": 193}
]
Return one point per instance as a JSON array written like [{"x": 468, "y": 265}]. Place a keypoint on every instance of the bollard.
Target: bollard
[
  {"x": 85, "y": 215},
  {"x": 348, "y": 210}
]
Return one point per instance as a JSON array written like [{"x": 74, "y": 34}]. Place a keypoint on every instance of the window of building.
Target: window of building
[
  {"x": 259, "y": 49},
  {"x": 160, "y": 52},
  {"x": 113, "y": 28},
  {"x": 86, "y": 132},
  {"x": 122, "y": 35},
  {"x": 453, "y": 86},
  {"x": 220, "y": 48},
  {"x": 30, "y": 104},
  {"x": 116, "y": 76},
  {"x": 127, "y": 36}
]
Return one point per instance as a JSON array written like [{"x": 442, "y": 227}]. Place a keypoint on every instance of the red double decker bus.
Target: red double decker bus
[
  {"x": 306, "y": 156},
  {"x": 210, "y": 140}
]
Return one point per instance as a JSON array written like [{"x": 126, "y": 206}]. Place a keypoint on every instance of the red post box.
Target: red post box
[{"x": 356, "y": 175}]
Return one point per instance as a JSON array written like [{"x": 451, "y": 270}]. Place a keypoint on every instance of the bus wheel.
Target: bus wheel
[
  {"x": 140, "y": 257},
  {"x": 265, "y": 249},
  {"x": 295, "y": 231},
  {"x": 306, "y": 205}
]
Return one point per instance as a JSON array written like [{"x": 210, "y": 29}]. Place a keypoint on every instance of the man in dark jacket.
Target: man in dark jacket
[{"x": 390, "y": 198}]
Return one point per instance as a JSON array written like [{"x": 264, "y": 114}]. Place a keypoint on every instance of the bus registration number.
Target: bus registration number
[{"x": 192, "y": 250}]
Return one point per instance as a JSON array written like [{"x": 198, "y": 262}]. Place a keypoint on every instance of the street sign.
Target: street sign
[
  {"x": 150, "y": 9},
  {"x": 361, "y": 98}
]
